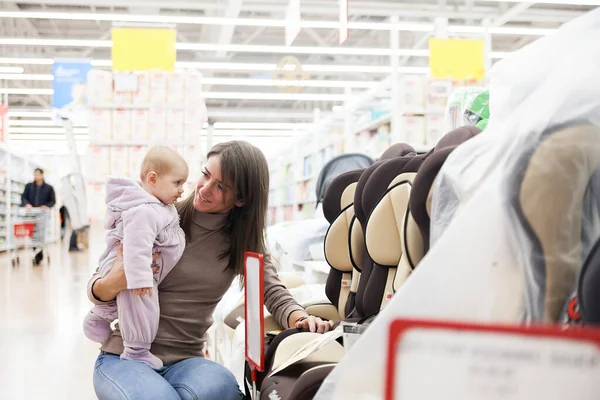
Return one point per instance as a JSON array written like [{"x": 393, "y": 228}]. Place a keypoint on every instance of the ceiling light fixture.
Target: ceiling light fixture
[
  {"x": 11, "y": 70},
  {"x": 274, "y": 96}
]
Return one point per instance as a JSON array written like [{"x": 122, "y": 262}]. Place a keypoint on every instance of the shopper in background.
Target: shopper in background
[
  {"x": 38, "y": 194},
  {"x": 223, "y": 218},
  {"x": 142, "y": 218}
]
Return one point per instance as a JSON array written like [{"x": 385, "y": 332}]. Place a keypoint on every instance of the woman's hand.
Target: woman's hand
[
  {"x": 107, "y": 288},
  {"x": 314, "y": 324}
]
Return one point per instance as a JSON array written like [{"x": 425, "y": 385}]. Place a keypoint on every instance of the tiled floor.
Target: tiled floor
[{"x": 44, "y": 352}]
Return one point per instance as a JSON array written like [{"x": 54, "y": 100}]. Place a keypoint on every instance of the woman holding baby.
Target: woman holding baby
[{"x": 156, "y": 350}]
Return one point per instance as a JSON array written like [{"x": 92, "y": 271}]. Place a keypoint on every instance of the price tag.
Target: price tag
[
  {"x": 428, "y": 361},
  {"x": 351, "y": 334}
]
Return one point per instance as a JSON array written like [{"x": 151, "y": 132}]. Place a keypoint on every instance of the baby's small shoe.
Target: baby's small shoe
[
  {"x": 96, "y": 328},
  {"x": 142, "y": 355}
]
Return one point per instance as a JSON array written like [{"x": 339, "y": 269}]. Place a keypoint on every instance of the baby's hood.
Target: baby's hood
[{"x": 124, "y": 193}]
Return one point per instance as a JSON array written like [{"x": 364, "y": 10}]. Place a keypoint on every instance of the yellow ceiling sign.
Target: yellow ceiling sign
[
  {"x": 143, "y": 49},
  {"x": 457, "y": 59}
]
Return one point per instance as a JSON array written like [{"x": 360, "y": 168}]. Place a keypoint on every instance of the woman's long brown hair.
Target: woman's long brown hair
[{"x": 245, "y": 169}]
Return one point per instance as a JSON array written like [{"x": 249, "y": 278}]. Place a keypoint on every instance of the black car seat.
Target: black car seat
[
  {"x": 361, "y": 260},
  {"x": 338, "y": 210},
  {"x": 385, "y": 199}
]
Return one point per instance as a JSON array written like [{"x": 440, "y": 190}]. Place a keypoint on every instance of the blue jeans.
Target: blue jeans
[{"x": 191, "y": 379}]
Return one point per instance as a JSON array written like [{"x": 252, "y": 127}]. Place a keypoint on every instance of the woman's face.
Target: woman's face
[{"x": 209, "y": 195}]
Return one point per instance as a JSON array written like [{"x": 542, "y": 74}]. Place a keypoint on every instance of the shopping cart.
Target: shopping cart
[{"x": 30, "y": 232}]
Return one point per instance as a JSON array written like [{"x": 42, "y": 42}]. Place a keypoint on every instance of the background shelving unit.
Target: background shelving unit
[{"x": 365, "y": 124}]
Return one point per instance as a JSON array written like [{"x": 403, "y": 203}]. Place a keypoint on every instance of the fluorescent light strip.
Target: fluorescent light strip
[
  {"x": 246, "y": 126},
  {"x": 48, "y": 130},
  {"x": 11, "y": 70},
  {"x": 229, "y": 81},
  {"x": 30, "y": 114},
  {"x": 53, "y": 138},
  {"x": 556, "y": 2},
  {"x": 284, "y": 83},
  {"x": 242, "y": 48},
  {"x": 33, "y": 122},
  {"x": 274, "y": 96},
  {"x": 216, "y": 113},
  {"x": 382, "y": 26},
  {"x": 261, "y": 125},
  {"x": 233, "y": 66},
  {"x": 26, "y": 91},
  {"x": 218, "y": 95},
  {"x": 26, "y": 77}
]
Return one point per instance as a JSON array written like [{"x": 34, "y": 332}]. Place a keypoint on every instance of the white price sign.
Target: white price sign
[{"x": 428, "y": 363}]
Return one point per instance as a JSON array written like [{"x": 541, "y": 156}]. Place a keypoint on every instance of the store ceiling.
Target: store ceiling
[{"x": 227, "y": 68}]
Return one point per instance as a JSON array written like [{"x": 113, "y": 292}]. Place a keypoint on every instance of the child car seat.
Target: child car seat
[
  {"x": 420, "y": 197},
  {"x": 548, "y": 199},
  {"x": 365, "y": 265},
  {"x": 385, "y": 198}
]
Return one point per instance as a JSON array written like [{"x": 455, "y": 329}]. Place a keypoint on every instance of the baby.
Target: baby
[{"x": 143, "y": 218}]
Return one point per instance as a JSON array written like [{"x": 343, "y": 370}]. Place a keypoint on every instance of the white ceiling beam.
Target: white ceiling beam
[
  {"x": 226, "y": 34},
  {"x": 511, "y": 13}
]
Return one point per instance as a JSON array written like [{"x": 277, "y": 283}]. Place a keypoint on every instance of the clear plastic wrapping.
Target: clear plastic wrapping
[{"x": 513, "y": 209}]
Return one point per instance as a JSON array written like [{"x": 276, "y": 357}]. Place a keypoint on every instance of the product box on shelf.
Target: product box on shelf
[
  {"x": 98, "y": 163},
  {"x": 175, "y": 125},
  {"x": 139, "y": 126},
  {"x": 99, "y": 86},
  {"x": 158, "y": 87},
  {"x": 100, "y": 125},
  {"x": 435, "y": 128},
  {"x": 121, "y": 125},
  {"x": 414, "y": 130},
  {"x": 96, "y": 200},
  {"x": 438, "y": 91},
  {"x": 193, "y": 87},
  {"x": 142, "y": 96},
  {"x": 136, "y": 156},
  {"x": 122, "y": 98},
  {"x": 119, "y": 161},
  {"x": 412, "y": 92},
  {"x": 176, "y": 86},
  {"x": 158, "y": 124}
]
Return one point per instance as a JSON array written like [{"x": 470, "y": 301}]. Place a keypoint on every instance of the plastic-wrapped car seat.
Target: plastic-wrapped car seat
[
  {"x": 534, "y": 269},
  {"x": 421, "y": 196}
]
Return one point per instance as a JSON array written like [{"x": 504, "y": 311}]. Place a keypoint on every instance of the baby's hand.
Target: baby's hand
[{"x": 143, "y": 292}]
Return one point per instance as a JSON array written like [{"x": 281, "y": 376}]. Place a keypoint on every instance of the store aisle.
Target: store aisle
[{"x": 44, "y": 352}]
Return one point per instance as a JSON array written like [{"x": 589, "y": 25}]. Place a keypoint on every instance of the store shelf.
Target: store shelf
[{"x": 372, "y": 125}]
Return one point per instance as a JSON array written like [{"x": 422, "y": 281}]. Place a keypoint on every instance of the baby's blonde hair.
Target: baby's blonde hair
[{"x": 162, "y": 160}]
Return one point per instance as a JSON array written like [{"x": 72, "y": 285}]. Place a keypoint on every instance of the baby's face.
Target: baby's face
[{"x": 169, "y": 187}]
